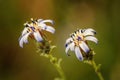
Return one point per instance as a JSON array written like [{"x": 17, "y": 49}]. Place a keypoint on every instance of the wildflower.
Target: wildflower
[
  {"x": 34, "y": 29},
  {"x": 78, "y": 43}
]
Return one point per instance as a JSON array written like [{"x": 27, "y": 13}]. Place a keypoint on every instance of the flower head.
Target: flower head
[
  {"x": 34, "y": 29},
  {"x": 78, "y": 42}
]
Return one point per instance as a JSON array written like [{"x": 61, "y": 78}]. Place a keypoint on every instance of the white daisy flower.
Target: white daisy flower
[
  {"x": 78, "y": 42},
  {"x": 34, "y": 30}
]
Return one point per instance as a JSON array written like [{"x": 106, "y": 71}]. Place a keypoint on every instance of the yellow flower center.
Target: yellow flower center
[{"x": 77, "y": 38}]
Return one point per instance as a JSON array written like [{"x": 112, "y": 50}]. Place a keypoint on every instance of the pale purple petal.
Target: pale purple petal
[
  {"x": 42, "y": 26},
  {"x": 72, "y": 46},
  {"x": 21, "y": 41},
  {"x": 38, "y": 36},
  {"x": 68, "y": 40},
  {"x": 50, "y": 21},
  {"x": 78, "y": 53},
  {"x": 50, "y": 29},
  {"x": 91, "y": 38},
  {"x": 69, "y": 45},
  {"x": 84, "y": 47},
  {"x": 47, "y": 28},
  {"x": 88, "y": 32},
  {"x": 26, "y": 38},
  {"x": 24, "y": 31},
  {"x": 39, "y": 20},
  {"x": 66, "y": 50},
  {"x": 90, "y": 29}
]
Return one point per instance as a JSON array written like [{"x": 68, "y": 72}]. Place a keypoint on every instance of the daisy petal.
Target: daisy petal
[
  {"x": 89, "y": 32},
  {"x": 68, "y": 40},
  {"x": 37, "y": 36},
  {"x": 42, "y": 26},
  {"x": 39, "y": 20},
  {"x": 72, "y": 46},
  {"x": 50, "y": 21},
  {"x": 66, "y": 50},
  {"x": 21, "y": 40},
  {"x": 50, "y": 29},
  {"x": 90, "y": 29},
  {"x": 84, "y": 47},
  {"x": 78, "y": 53},
  {"x": 24, "y": 31},
  {"x": 26, "y": 38},
  {"x": 91, "y": 38}
]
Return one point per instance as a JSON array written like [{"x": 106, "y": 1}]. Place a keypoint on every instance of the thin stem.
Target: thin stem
[
  {"x": 56, "y": 63},
  {"x": 97, "y": 69}
]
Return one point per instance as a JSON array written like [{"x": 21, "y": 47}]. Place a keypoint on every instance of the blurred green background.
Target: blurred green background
[{"x": 25, "y": 64}]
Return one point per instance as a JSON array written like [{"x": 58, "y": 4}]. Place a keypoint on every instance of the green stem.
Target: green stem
[
  {"x": 56, "y": 63},
  {"x": 97, "y": 69}
]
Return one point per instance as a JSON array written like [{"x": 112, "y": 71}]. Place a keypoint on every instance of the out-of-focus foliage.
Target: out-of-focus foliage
[{"x": 25, "y": 64}]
